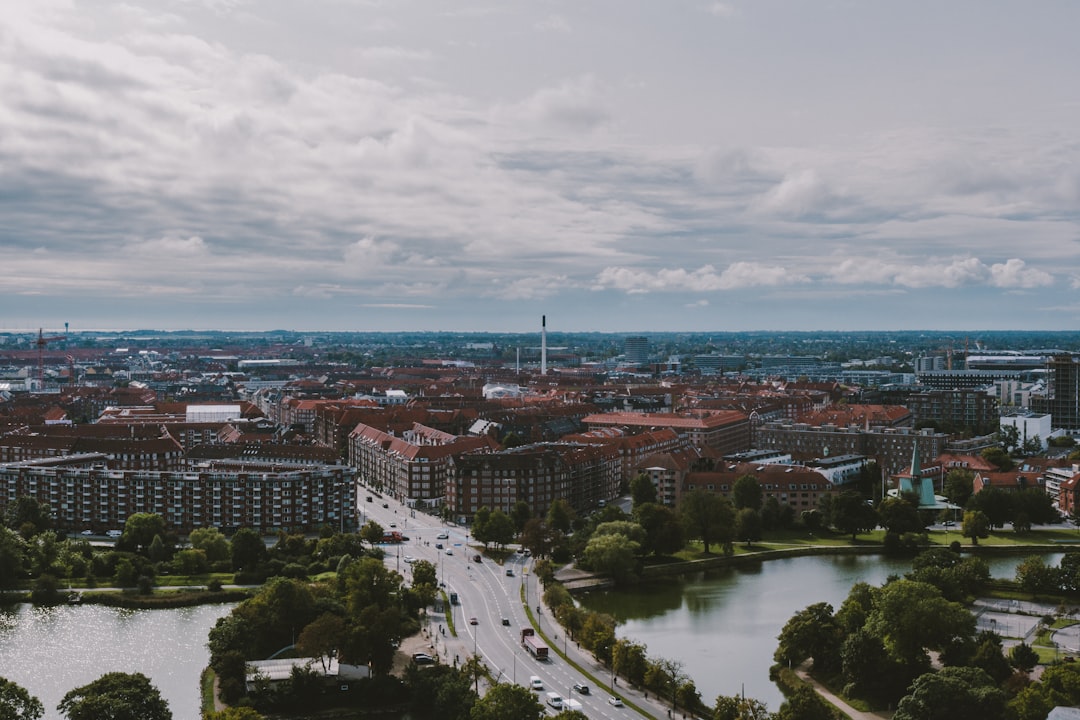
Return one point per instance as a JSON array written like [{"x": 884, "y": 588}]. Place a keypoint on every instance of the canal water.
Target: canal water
[
  {"x": 723, "y": 624},
  {"x": 50, "y": 651}
]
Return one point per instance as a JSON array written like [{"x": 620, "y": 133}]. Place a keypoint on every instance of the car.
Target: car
[
  {"x": 526, "y": 552},
  {"x": 115, "y": 533},
  {"x": 473, "y": 621},
  {"x": 536, "y": 683},
  {"x": 581, "y": 688},
  {"x": 506, "y": 621},
  {"x": 87, "y": 532},
  {"x": 477, "y": 558},
  {"x": 368, "y": 498},
  {"x": 386, "y": 505},
  {"x": 449, "y": 551},
  {"x": 393, "y": 525},
  {"x": 614, "y": 701},
  {"x": 509, "y": 572},
  {"x": 423, "y": 659},
  {"x": 948, "y": 523},
  {"x": 555, "y": 700},
  {"x": 438, "y": 546},
  {"x": 443, "y": 536},
  {"x": 410, "y": 559}
]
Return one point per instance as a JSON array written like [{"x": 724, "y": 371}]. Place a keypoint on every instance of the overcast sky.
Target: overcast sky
[{"x": 617, "y": 165}]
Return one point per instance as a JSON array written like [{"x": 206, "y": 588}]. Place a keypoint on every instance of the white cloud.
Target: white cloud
[
  {"x": 954, "y": 273},
  {"x": 704, "y": 279},
  {"x": 553, "y": 23}
]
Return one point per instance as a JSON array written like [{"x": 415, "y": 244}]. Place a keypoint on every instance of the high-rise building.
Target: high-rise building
[
  {"x": 1063, "y": 399},
  {"x": 637, "y": 349}
]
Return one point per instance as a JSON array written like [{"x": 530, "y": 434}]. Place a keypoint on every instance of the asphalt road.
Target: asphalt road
[{"x": 488, "y": 594}]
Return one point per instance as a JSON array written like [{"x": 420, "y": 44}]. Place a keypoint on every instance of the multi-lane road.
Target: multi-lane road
[{"x": 488, "y": 592}]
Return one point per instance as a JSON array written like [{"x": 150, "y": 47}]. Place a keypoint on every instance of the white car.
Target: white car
[
  {"x": 449, "y": 551},
  {"x": 443, "y": 536},
  {"x": 409, "y": 559},
  {"x": 614, "y": 701}
]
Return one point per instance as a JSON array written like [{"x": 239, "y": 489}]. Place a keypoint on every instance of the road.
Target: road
[{"x": 487, "y": 593}]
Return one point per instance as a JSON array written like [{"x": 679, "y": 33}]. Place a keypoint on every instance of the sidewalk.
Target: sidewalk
[{"x": 837, "y": 702}]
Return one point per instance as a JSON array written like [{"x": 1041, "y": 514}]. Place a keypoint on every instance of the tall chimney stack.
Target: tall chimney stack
[{"x": 543, "y": 344}]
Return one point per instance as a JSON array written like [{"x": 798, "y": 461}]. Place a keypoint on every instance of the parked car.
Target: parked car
[
  {"x": 423, "y": 659},
  {"x": 409, "y": 559},
  {"x": 438, "y": 546},
  {"x": 115, "y": 533}
]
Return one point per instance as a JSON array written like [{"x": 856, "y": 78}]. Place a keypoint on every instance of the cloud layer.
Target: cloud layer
[{"x": 385, "y": 166}]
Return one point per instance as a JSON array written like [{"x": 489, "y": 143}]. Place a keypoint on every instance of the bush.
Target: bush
[
  {"x": 214, "y": 585},
  {"x": 294, "y": 570}
]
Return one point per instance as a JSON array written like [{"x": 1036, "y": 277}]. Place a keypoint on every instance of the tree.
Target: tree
[
  {"x": 140, "y": 530},
  {"x": 736, "y": 707},
  {"x": 998, "y": 458},
  {"x": 1034, "y": 576},
  {"x": 663, "y": 531},
  {"x": 642, "y": 490},
  {"x": 998, "y": 505},
  {"x": 976, "y": 525},
  {"x": 321, "y": 638},
  {"x": 500, "y": 529},
  {"x": 953, "y": 692},
  {"x": 748, "y": 525},
  {"x": 959, "y": 484},
  {"x": 911, "y": 617},
  {"x": 560, "y": 516},
  {"x": 520, "y": 514},
  {"x": 899, "y": 515},
  {"x": 811, "y": 633},
  {"x": 630, "y": 660},
  {"x": 851, "y": 514},
  {"x": 536, "y": 538},
  {"x": 211, "y": 542},
  {"x": 707, "y": 517},
  {"x": 248, "y": 549},
  {"x": 506, "y": 700},
  {"x": 611, "y": 554},
  {"x": 372, "y": 532},
  {"x": 1009, "y": 437},
  {"x": 28, "y": 516},
  {"x": 116, "y": 696},
  {"x": 804, "y": 704},
  {"x": 746, "y": 493},
  {"x": 17, "y": 704},
  {"x": 235, "y": 713}
]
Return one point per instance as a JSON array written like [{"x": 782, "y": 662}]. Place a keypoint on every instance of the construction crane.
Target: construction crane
[{"x": 41, "y": 342}]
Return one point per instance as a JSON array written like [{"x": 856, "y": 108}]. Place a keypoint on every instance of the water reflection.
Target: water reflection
[
  {"x": 723, "y": 624},
  {"x": 49, "y": 651}
]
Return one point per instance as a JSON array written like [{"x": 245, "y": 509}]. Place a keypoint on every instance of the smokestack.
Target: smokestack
[{"x": 543, "y": 344}]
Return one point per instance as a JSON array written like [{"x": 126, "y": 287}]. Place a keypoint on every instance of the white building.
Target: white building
[{"x": 1029, "y": 425}]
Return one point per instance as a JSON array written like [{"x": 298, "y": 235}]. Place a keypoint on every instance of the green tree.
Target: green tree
[
  {"x": 12, "y": 553},
  {"x": 998, "y": 458},
  {"x": 746, "y": 493},
  {"x": 642, "y": 490},
  {"x": 372, "y": 532},
  {"x": 140, "y": 530},
  {"x": 17, "y": 704},
  {"x": 630, "y": 660},
  {"x": 959, "y": 484},
  {"x": 811, "y": 633},
  {"x": 663, "y": 531},
  {"x": 321, "y": 638},
  {"x": 500, "y": 529},
  {"x": 998, "y": 505},
  {"x": 851, "y": 514},
  {"x": 911, "y": 617},
  {"x": 707, "y": 517},
  {"x": 1034, "y": 576},
  {"x": 899, "y": 515},
  {"x": 1009, "y": 437},
  {"x": 737, "y": 707},
  {"x": 479, "y": 525},
  {"x": 953, "y": 692},
  {"x": 611, "y": 554},
  {"x": 235, "y": 713},
  {"x": 248, "y": 549},
  {"x": 560, "y": 516},
  {"x": 748, "y": 525},
  {"x": 211, "y": 542},
  {"x": 116, "y": 696},
  {"x": 28, "y": 516},
  {"x": 507, "y": 701},
  {"x": 520, "y": 514},
  {"x": 804, "y": 704},
  {"x": 976, "y": 525}
]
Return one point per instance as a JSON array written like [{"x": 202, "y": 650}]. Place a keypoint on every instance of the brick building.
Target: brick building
[{"x": 723, "y": 431}]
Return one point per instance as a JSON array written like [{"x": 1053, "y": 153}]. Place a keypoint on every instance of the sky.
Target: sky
[{"x": 615, "y": 165}]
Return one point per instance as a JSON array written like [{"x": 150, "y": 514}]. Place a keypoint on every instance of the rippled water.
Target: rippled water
[
  {"x": 723, "y": 624},
  {"x": 50, "y": 651}
]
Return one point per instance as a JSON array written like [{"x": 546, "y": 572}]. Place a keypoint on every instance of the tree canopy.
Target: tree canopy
[{"x": 116, "y": 696}]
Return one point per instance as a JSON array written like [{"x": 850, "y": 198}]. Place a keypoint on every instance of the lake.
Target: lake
[
  {"x": 50, "y": 651},
  {"x": 723, "y": 624}
]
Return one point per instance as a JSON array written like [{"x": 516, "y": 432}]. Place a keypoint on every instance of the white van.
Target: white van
[
  {"x": 554, "y": 699},
  {"x": 535, "y": 682}
]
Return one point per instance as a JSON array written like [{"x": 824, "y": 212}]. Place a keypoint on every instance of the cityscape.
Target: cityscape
[
  {"x": 424, "y": 436},
  {"x": 499, "y": 361}
]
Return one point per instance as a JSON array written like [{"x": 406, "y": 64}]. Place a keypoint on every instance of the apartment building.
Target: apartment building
[
  {"x": 97, "y": 498},
  {"x": 411, "y": 467},
  {"x": 890, "y": 447},
  {"x": 723, "y": 431},
  {"x": 536, "y": 474},
  {"x": 794, "y": 485}
]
